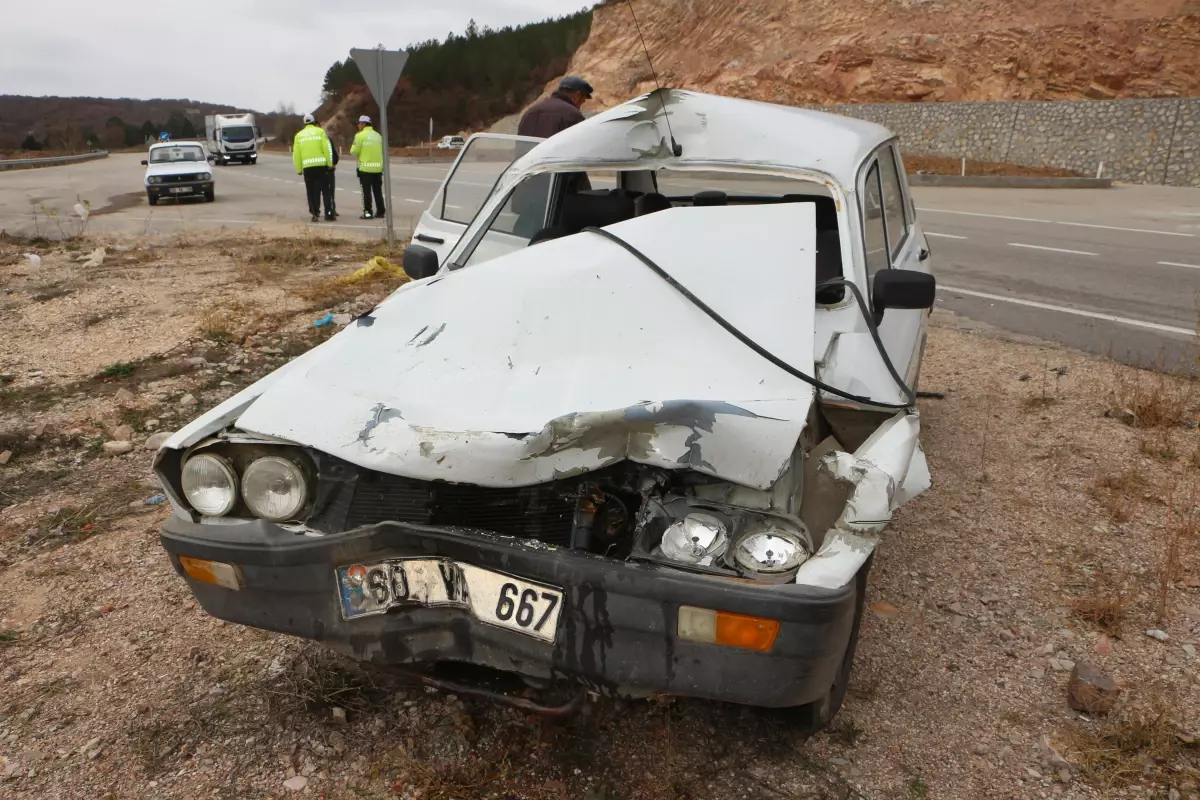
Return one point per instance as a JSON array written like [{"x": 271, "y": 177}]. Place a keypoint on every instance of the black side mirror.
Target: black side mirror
[
  {"x": 143, "y": 162},
  {"x": 901, "y": 289},
  {"x": 420, "y": 262}
]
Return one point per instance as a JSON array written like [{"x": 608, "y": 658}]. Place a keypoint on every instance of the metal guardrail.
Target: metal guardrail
[{"x": 52, "y": 161}]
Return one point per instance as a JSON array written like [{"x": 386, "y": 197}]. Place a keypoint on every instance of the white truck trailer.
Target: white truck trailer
[{"x": 232, "y": 137}]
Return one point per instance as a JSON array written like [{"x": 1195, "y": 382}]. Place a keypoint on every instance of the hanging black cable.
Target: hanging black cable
[
  {"x": 676, "y": 148},
  {"x": 783, "y": 365}
]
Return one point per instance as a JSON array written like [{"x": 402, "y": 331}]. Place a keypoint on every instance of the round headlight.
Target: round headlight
[
  {"x": 205, "y": 176},
  {"x": 771, "y": 553},
  {"x": 695, "y": 539},
  {"x": 274, "y": 488},
  {"x": 210, "y": 485}
]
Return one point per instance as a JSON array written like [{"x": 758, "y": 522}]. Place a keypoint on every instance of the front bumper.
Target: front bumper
[
  {"x": 247, "y": 156},
  {"x": 617, "y": 630},
  {"x": 198, "y": 189}
]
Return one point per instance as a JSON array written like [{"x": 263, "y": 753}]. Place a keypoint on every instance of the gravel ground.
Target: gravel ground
[{"x": 1043, "y": 543}]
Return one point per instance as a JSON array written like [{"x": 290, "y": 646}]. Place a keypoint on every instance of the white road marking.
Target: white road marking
[
  {"x": 1136, "y": 323},
  {"x": 1052, "y": 222},
  {"x": 410, "y": 200},
  {"x": 1177, "y": 264},
  {"x": 1051, "y": 249},
  {"x": 944, "y": 235}
]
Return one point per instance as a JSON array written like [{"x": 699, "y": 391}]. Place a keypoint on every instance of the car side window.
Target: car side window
[
  {"x": 521, "y": 216},
  {"x": 894, "y": 210},
  {"x": 873, "y": 225}
]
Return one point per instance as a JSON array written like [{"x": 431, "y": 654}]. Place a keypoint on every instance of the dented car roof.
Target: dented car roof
[{"x": 710, "y": 128}]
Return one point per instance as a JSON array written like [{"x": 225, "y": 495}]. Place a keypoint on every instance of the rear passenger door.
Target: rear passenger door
[
  {"x": 893, "y": 240},
  {"x": 467, "y": 187}
]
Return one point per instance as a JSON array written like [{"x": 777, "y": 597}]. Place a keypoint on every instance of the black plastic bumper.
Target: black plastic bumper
[
  {"x": 617, "y": 630},
  {"x": 198, "y": 189}
]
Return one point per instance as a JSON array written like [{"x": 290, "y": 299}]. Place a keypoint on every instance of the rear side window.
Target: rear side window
[
  {"x": 873, "y": 225},
  {"x": 894, "y": 209}
]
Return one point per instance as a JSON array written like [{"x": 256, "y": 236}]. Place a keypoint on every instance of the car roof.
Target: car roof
[
  {"x": 711, "y": 128},
  {"x": 160, "y": 145}
]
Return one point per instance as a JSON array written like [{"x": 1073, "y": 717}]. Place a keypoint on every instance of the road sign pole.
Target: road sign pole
[
  {"x": 387, "y": 163},
  {"x": 381, "y": 69}
]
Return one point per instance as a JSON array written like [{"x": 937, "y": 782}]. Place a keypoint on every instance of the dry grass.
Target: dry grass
[
  {"x": 234, "y": 320},
  {"x": 1118, "y": 492},
  {"x": 1107, "y": 602},
  {"x": 1177, "y": 540},
  {"x": 1159, "y": 399},
  {"x": 1142, "y": 741}
]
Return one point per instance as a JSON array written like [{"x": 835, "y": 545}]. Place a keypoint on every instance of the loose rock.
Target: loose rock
[
  {"x": 339, "y": 715},
  {"x": 123, "y": 433},
  {"x": 118, "y": 448},
  {"x": 5, "y": 457},
  {"x": 1103, "y": 645},
  {"x": 1123, "y": 415},
  {"x": 1091, "y": 690},
  {"x": 296, "y": 784},
  {"x": 188, "y": 400},
  {"x": 1155, "y": 633},
  {"x": 123, "y": 396}
]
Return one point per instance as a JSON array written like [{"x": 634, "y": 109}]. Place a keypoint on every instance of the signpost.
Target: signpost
[{"x": 381, "y": 69}]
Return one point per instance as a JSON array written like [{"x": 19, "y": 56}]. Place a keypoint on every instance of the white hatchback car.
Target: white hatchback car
[
  {"x": 178, "y": 170},
  {"x": 639, "y": 423}
]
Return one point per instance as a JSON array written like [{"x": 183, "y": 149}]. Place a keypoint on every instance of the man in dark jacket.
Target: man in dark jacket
[
  {"x": 543, "y": 119},
  {"x": 557, "y": 112}
]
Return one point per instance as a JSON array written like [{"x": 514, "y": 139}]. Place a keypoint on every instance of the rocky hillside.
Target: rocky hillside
[{"x": 836, "y": 51}]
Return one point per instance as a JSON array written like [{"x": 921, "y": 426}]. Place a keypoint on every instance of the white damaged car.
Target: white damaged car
[{"x": 638, "y": 423}]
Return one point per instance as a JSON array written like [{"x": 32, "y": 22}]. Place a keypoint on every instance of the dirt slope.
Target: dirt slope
[{"x": 822, "y": 51}]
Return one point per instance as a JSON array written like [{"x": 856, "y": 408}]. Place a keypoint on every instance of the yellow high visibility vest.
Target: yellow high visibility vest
[
  {"x": 311, "y": 148},
  {"x": 368, "y": 149}
]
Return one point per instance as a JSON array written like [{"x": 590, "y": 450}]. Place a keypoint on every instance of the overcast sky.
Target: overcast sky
[{"x": 260, "y": 53}]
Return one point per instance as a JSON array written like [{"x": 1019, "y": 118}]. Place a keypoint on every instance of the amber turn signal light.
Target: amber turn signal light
[
  {"x": 727, "y": 628},
  {"x": 215, "y": 572}
]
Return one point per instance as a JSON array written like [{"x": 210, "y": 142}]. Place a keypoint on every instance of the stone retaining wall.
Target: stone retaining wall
[{"x": 1139, "y": 141}]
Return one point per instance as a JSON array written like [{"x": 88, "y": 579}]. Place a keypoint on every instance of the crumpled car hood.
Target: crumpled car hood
[{"x": 568, "y": 356}]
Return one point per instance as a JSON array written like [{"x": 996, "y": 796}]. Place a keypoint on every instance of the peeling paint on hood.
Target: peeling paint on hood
[{"x": 568, "y": 356}]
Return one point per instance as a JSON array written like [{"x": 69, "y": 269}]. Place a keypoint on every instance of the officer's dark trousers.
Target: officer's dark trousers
[{"x": 315, "y": 181}]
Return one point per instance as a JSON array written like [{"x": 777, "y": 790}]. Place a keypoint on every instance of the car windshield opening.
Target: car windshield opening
[
  {"x": 238, "y": 133},
  {"x": 166, "y": 155}
]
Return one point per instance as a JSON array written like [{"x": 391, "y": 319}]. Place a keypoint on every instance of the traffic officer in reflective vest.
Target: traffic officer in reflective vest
[
  {"x": 368, "y": 149},
  {"x": 312, "y": 155}
]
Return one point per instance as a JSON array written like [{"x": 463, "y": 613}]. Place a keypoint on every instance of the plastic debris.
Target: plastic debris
[
  {"x": 35, "y": 260},
  {"x": 323, "y": 321},
  {"x": 155, "y": 500},
  {"x": 81, "y": 211},
  {"x": 95, "y": 259},
  {"x": 377, "y": 267}
]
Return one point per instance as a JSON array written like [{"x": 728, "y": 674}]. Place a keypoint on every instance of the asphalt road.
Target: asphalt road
[{"x": 1114, "y": 272}]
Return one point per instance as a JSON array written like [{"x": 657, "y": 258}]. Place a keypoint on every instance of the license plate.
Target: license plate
[
  {"x": 180, "y": 190},
  {"x": 492, "y": 597}
]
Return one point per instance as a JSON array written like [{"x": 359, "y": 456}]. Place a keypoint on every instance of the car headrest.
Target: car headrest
[
  {"x": 581, "y": 211},
  {"x": 711, "y": 197},
  {"x": 649, "y": 203}
]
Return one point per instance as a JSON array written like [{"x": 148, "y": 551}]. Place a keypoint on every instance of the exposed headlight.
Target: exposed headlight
[
  {"x": 205, "y": 176},
  {"x": 274, "y": 488},
  {"x": 153, "y": 179},
  {"x": 695, "y": 539},
  {"x": 210, "y": 485},
  {"x": 771, "y": 553}
]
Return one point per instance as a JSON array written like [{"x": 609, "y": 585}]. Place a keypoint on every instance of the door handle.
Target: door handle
[{"x": 421, "y": 237}]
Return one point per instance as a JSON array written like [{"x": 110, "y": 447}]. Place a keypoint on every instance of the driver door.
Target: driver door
[{"x": 467, "y": 187}]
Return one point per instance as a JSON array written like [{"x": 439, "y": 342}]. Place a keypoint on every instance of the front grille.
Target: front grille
[
  {"x": 191, "y": 178},
  {"x": 545, "y": 512}
]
